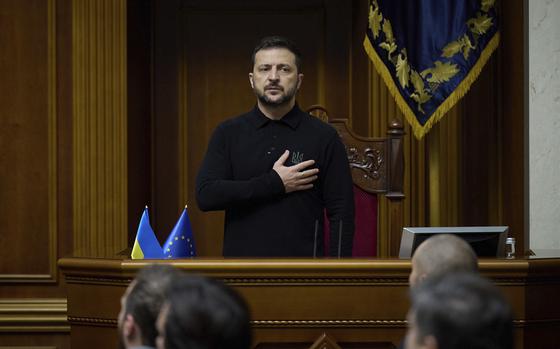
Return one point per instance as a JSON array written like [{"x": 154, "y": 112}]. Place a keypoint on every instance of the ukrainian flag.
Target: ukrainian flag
[{"x": 146, "y": 244}]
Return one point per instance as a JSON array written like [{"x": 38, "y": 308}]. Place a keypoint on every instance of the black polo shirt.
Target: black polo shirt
[{"x": 262, "y": 220}]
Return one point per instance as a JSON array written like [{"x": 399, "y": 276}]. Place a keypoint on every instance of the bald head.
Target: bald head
[{"x": 441, "y": 254}]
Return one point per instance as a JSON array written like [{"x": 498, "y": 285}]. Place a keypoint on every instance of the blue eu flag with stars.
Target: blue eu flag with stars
[{"x": 180, "y": 243}]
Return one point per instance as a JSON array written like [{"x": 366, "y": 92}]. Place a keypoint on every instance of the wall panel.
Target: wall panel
[
  {"x": 211, "y": 84},
  {"x": 28, "y": 142},
  {"x": 99, "y": 127}
]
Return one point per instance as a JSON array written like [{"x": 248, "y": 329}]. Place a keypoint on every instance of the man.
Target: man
[
  {"x": 141, "y": 304},
  {"x": 441, "y": 254},
  {"x": 203, "y": 313},
  {"x": 276, "y": 168},
  {"x": 457, "y": 311}
]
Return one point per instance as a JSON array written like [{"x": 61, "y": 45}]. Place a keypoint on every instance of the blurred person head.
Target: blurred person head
[
  {"x": 459, "y": 311},
  {"x": 141, "y": 304},
  {"x": 203, "y": 313},
  {"x": 441, "y": 254}
]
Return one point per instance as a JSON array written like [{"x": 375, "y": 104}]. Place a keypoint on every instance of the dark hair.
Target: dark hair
[
  {"x": 277, "y": 42},
  {"x": 147, "y": 296},
  {"x": 462, "y": 311},
  {"x": 206, "y": 314}
]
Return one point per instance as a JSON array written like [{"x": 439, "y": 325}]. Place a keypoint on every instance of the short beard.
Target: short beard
[{"x": 276, "y": 103}]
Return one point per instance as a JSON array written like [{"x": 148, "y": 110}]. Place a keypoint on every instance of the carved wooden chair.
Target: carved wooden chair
[{"x": 377, "y": 166}]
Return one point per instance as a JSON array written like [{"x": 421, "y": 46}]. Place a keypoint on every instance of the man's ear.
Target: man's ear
[
  {"x": 421, "y": 278},
  {"x": 251, "y": 80},
  {"x": 129, "y": 326},
  {"x": 300, "y": 79},
  {"x": 430, "y": 342}
]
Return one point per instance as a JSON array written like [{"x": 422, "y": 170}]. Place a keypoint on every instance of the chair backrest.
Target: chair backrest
[{"x": 377, "y": 166}]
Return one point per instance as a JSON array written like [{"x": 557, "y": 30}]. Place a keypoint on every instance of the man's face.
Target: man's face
[
  {"x": 160, "y": 326},
  {"x": 414, "y": 276},
  {"x": 122, "y": 313},
  {"x": 275, "y": 79},
  {"x": 417, "y": 272}
]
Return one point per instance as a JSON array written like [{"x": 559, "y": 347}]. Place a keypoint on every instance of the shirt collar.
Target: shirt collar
[{"x": 292, "y": 118}]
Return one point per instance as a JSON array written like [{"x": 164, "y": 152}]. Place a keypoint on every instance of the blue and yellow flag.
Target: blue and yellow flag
[
  {"x": 146, "y": 244},
  {"x": 180, "y": 242},
  {"x": 429, "y": 52}
]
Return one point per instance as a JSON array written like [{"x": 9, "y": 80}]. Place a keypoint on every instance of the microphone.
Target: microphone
[
  {"x": 315, "y": 241},
  {"x": 339, "y": 237}
]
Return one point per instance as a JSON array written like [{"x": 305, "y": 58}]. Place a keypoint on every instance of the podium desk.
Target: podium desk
[{"x": 314, "y": 303}]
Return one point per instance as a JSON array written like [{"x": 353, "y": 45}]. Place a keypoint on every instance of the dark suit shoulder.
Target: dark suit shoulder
[
  {"x": 317, "y": 125},
  {"x": 235, "y": 121}
]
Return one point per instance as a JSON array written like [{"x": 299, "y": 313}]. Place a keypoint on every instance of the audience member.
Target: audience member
[
  {"x": 203, "y": 313},
  {"x": 459, "y": 311},
  {"x": 141, "y": 304},
  {"x": 441, "y": 254}
]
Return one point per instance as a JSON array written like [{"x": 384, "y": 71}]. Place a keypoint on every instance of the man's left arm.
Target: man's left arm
[{"x": 338, "y": 195}]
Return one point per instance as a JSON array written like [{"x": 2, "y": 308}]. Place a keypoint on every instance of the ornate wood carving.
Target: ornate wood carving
[
  {"x": 375, "y": 162},
  {"x": 325, "y": 342}
]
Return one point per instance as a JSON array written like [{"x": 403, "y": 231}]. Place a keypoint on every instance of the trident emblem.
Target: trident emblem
[{"x": 297, "y": 157}]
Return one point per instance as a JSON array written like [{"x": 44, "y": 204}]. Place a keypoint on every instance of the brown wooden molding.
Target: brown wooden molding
[
  {"x": 306, "y": 323},
  {"x": 99, "y": 126},
  {"x": 325, "y": 341},
  {"x": 317, "y": 280},
  {"x": 77, "y": 320},
  {"x": 98, "y": 280},
  {"x": 28, "y": 347},
  {"x": 33, "y": 315},
  {"x": 292, "y": 270},
  {"x": 52, "y": 138},
  {"x": 358, "y": 323},
  {"x": 256, "y": 272}
]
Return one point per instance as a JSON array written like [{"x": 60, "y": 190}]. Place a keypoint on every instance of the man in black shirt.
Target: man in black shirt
[{"x": 275, "y": 169}]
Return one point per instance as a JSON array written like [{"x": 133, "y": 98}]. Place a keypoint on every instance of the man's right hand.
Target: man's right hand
[{"x": 295, "y": 177}]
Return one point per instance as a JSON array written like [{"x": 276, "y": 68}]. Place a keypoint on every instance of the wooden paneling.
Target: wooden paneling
[
  {"x": 205, "y": 81},
  {"x": 512, "y": 108},
  {"x": 455, "y": 176},
  {"x": 99, "y": 127},
  {"x": 28, "y": 142},
  {"x": 39, "y": 314},
  {"x": 39, "y": 343},
  {"x": 167, "y": 99},
  {"x": 139, "y": 107},
  {"x": 37, "y": 323},
  {"x": 357, "y": 303},
  {"x": 97, "y": 120},
  {"x": 480, "y": 140},
  {"x": 212, "y": 76}
]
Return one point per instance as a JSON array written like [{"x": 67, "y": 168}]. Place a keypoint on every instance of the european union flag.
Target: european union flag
[
  {"x": 180, "y": 242},
  {"x": 429, "y": 52},
  {"x": 146, "y": 244}
]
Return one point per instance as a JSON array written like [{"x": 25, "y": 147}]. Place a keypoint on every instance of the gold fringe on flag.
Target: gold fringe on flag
[{"x": 450, "y": 101}]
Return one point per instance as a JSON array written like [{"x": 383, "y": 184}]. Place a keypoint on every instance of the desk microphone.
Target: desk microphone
[
  {"x": 339, "y": 237},
  {"x": 315, "y": 241}
]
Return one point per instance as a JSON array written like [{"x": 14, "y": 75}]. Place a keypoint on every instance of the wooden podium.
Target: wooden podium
[{"x": 314, "y": 303}]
